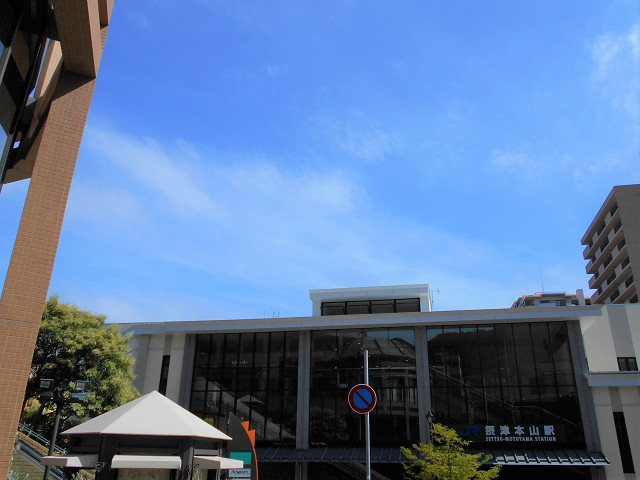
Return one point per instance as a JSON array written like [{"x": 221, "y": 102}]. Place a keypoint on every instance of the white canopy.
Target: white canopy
[
  {"x": 150, "y": 415},
  {"x": 164, "y": 462},
  {"x": 217, "y": 463},
  {"x": 70, "y": 461}
]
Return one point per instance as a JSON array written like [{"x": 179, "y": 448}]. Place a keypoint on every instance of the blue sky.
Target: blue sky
[{"x": 238, "y": 154}]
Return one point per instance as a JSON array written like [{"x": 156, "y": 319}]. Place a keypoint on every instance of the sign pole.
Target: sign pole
[{"x": 366, "y": 421}]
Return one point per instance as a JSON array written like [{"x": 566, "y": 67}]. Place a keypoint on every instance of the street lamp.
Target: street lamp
[
  {"x": 78, "y": 395},
  {"x": 430, "y": 417}
]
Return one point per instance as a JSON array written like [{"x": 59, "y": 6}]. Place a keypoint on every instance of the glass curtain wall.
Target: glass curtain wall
[
  {"x": 337, "y": 365},
  {"x": 254, "y": 376},
  {"x": 505, "y": 375}
]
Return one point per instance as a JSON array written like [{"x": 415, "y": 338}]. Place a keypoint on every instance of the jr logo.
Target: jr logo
[{"x": 469, "y": 431}]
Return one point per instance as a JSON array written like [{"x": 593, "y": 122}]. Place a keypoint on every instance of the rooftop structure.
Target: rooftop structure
[
  {"x": 613, "y": 247},
  {"x": 552, "y": 299}
]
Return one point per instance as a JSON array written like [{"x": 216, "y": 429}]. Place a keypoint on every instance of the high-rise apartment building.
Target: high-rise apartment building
[
  {"x": 613, "y": 247},
  {"x": 50, "y": 52}
]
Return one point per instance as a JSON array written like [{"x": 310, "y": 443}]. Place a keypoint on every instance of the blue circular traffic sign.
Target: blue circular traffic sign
[{"x": 362, "y": 398}]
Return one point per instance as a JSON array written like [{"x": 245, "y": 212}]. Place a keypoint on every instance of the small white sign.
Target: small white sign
[{"x": 240, "y": 473}]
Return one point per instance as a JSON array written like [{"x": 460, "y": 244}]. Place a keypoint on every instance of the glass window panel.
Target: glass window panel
[
  {"x": 213, "y": 402},
  {"x": 405, "y": 336},
  {"x": 567, "y": 407},
  {"x": 199, "y": 379},
  {"x": 232, "y": 347},
  {"x": 348, "y": 377},
  {"x": 323, "y": 346},
  {"x": 530, "y": 393},
  {"x": 245, "y": 356},
  {"x": 261, "y": 355},
  {"x": 506, "y": 355},
  {"x": 275, "y": 379},
  {"x": 408, "y": 305},
  {"x": 433, "y": 332},
  {"x": 290, "y": 378},
  {"x": 488, "y": 349},
  {"x": 450, "y": 352},
  {"x": 245, "y": 378},
  {"x": 197, "y": 402},
  {"x": 476, "y": 405},
  {"x": 225, "y": 380},
  {"x": 561, "y": 353},
  {"x": 470, "y": 361},
  {"x": 382, "y": 306},
  {"x": 357, "y": 308},
  {"x": 289, "y": 418},
  {"x": 291, "y": 351},
  {"x": 322, "y": 418},
  {"x": 349, "y": 344},
  {"x": 494, "y": 406},
  {"x": 543, "y": 354},
  {"x": 524, "y": 354},
  {"x": 216, "y": 350},
  {"x": 242, "y": 400},
  {"x": 202, "y": 351},
  {"x": 333, "y": 308},
  {"x": 457, "y": 405},
  {"x": 511, "y": 395},
  {"x": 548, "y": 393},
  {"x": 440, "y": 405},
  {"x": 276, "y": 348}
]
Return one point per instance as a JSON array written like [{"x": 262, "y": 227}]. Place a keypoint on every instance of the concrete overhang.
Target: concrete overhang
[
  {"x": 613, "y": 379},
  {"x": 504, "y": 315}
]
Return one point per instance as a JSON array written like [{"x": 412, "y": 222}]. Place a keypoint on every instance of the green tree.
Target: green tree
[
  {"x": 72, "y": 345},
  {"x": 445, "y": 459}
]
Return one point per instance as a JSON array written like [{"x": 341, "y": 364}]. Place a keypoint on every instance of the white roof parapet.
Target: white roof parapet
[
  {"x": 150, "y": 415},
  {"x": 217, "y": 463},
  {"x": 162, "y": 462},
  {"x": 365, "y": 293},
  {"x": 70, "y": 461}
]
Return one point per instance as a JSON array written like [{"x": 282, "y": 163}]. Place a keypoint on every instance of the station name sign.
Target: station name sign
[{"x": 512, "y": 433}]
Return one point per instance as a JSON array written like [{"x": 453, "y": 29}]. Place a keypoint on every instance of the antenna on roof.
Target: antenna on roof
[{"x": 541, "y": 280}]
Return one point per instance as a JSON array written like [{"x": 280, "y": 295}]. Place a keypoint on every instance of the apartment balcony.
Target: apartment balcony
[
  {"x": 611, "y": 222},
  {"x": 607, "y": 245},
  {"x": 619, "y": 282},
  {"x": 629, "y": 291},
  {"x": 618, "y": 264}
]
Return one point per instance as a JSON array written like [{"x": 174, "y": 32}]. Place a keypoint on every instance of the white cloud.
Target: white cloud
[
  {"x": 170, "y": 173},
  {"x": 616, "y": 71},
  {"x": 281, "y": 231},
  {"x": 500, "y": 158},
  {"x": 515, "y": 160},
  {"x": 360, "y": 137}
]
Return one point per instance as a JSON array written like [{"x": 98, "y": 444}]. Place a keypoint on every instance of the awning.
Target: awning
[
  {"x": 572, "y": 457},
  {"x": 70, "y": 461},
  {"x": 164, "y": 462},
  {"x": 556, "y": 456},
  {"x": 217, "y": 463}
]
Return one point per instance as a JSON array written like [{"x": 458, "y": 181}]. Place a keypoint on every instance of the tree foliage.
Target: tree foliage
[
  {"x": 444, "y": 459},
  {"x": 72, "y": 345}
]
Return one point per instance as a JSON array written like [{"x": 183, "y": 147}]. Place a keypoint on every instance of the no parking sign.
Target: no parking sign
[{"x": 362, "y": 398}]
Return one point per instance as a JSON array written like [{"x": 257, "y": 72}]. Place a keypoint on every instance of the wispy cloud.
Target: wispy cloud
[
  {"x": 520, "y": 160},
  {"x": 616, "y": 70},
  {"x": 281, "y": 230},
  {"x": 360, "y": 137}
]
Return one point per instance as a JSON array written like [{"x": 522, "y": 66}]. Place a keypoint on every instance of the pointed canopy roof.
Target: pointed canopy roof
[{"x": 150, "y": 415}]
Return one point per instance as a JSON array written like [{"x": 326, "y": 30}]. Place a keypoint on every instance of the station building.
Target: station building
[{"x": 550, "y": 390}]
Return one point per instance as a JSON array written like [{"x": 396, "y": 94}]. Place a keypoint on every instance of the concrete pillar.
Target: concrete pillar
[
  {"x": 304, "y": 388},
  {"x": 424, "y": 387},
  {"x": 302, "y": 471}
]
